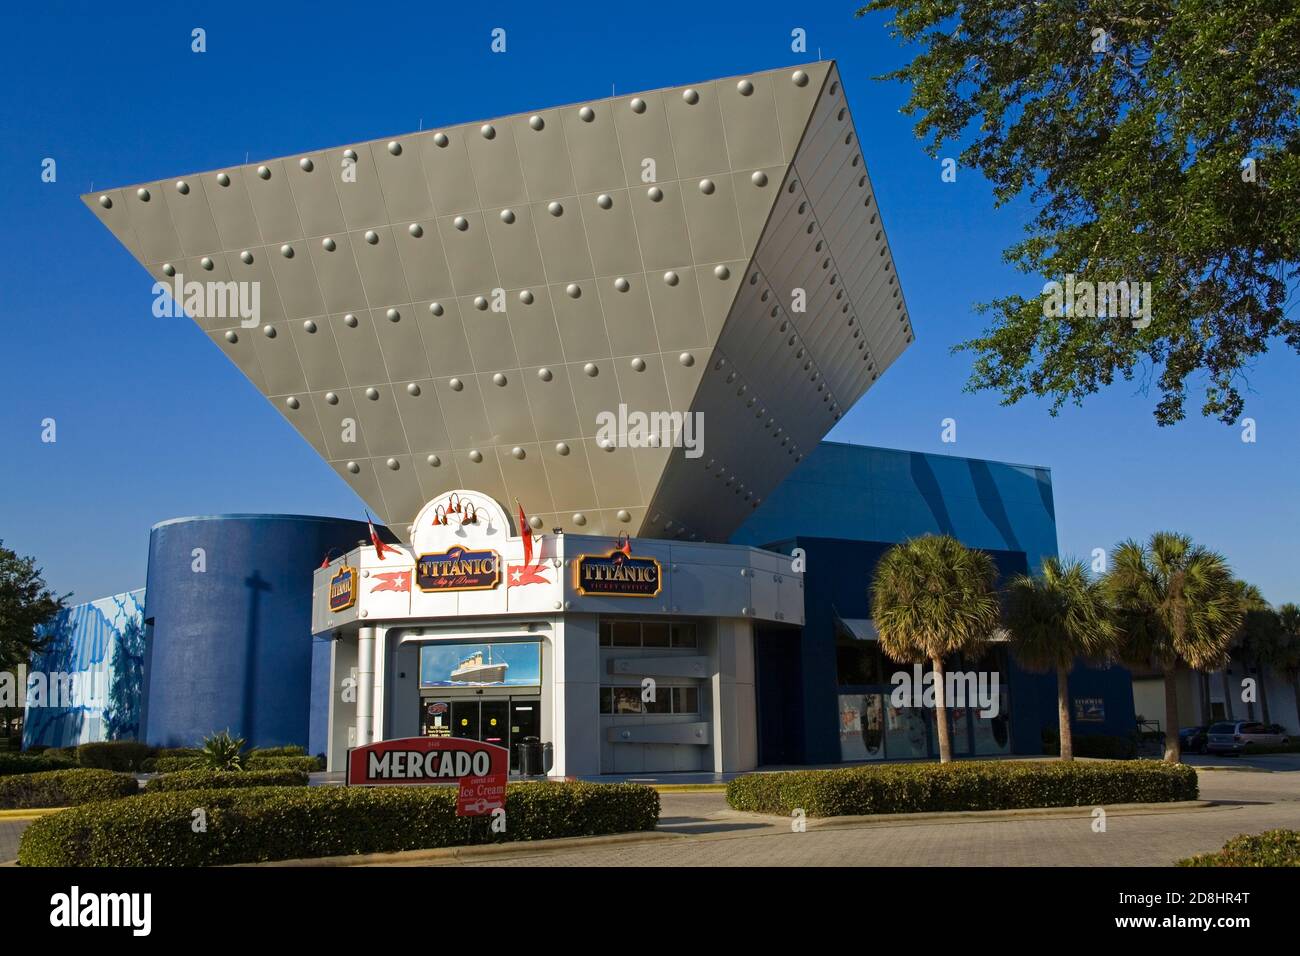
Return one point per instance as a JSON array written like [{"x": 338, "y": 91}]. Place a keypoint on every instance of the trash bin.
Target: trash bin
[
  {"x": 546, "y": 757},
  {"x": 529, "y": 750}
]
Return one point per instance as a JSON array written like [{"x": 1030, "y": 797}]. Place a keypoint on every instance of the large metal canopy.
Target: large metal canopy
[{"x": 382, "y": 266}]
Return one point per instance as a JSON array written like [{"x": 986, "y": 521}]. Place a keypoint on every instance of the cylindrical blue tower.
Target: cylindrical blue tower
[{"x": 228, "y": 625}]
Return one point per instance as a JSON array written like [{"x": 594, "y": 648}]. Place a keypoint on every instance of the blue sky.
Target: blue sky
[{"x": 154, "y": 423}]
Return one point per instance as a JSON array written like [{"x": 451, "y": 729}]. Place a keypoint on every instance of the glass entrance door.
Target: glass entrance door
[
  {"x": 525, "y": 721},
  {"x": 492, "y": 722},
  {"x": 465, "y": 719},
  {"x": 503, "y": 722}
]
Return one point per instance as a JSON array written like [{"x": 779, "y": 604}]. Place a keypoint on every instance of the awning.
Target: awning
[
  {"x": 858, "y": 628},
  {"x": 864, "y": 629}
]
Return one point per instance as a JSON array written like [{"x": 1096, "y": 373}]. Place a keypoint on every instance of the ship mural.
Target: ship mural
[
  {"x": 506, "y": 664},
  {"x": 473, "y": 670}
]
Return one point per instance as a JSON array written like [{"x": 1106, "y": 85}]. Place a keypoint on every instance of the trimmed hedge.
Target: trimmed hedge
[
  {"x": 280, "y": 823},
  {"x": 64, "y": 788},
  {"x": 11, "y": 763},
  {"x": 170, "y": 764},
  {"x": 124, "y": 756},
  {"x": 225, "y": 779},
  {"x": 1273, "y": 848},
  {"x": 255, "y": 761},
  {"x": 973, "y": 785},
  {"x": 292, "y": 750}
]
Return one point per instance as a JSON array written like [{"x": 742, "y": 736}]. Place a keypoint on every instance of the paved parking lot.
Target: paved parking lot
[{"x": 1246, "y": 802}]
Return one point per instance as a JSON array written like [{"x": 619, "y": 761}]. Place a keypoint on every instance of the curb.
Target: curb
[
  {"x": 977, "y": 816},
  {"x": 29, "y": 813},
  {"x": 415, "y": 857}
]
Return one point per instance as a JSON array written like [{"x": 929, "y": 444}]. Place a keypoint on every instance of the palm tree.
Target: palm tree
[
  {"x": 1288, "y": 656},
  {"x": 1257, "y": 640},
  {"x": 933, "y": 597},
  {"x": 1055, "y": 618},
  {"x": 1176, "y": 603}
]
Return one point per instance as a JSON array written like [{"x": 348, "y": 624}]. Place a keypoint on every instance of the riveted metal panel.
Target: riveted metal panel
[
  {"x": 419, "y": 246},
  {"x": 311, "y": 179},
  {"x": 401, "y": 179},
  {"x": 532, "y": 327},
  {"x": 272, "y": 201},
  {"x": 543, "y": 155},
  {"x": 401, "y": 343},
  {"x": 675, "y": 295},
  {"x": 611, "y": 232},
  {"x": 445, "y": 342},
  {"x": 629, "y": 319},
  {"x": 488, "y": 333},
  {"x": 191, "y": 216},
  {"x": 515, "y": 247}
]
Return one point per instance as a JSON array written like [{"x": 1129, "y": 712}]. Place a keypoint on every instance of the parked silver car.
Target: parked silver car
[{"x": 1242, "y": 736}]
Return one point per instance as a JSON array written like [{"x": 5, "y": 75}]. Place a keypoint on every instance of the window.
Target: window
[
  {"x": 627, "y": 633},
  {"x": 654, "y": 634},
  {"x": 668, "y": 700},
  {"x": 627, "y": 700},
  {"x": 621, "y": 632}
]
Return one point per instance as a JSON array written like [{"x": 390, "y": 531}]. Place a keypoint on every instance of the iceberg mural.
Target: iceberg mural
[{"x": 87, "y": 686}]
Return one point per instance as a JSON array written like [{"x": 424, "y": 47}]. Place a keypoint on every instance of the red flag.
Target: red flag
[
  {"x": 392, "y": 581},
  {"x": 380, "y": 547},
  {"x": 527, "y": 532},
  {"x": 624, "y": 543},
  {"x": 521, "y": 574},
  {"x": 326, "y": 563}
]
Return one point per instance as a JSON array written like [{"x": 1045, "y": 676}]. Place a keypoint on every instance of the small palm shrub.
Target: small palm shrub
[{"x": 222, "y": 752}]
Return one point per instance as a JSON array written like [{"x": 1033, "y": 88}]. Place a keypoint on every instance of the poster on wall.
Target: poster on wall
[
  {"x": 481, "y": 665},
  {"x": 1089, "y": 710},
  {"x": 861, "y": 727}
]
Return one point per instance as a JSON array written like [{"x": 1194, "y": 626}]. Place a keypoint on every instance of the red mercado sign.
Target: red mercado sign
[{"x": 480, "y": 769}]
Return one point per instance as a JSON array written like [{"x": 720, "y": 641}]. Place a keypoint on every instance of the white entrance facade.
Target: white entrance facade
[{"x": 624, "y": 656}]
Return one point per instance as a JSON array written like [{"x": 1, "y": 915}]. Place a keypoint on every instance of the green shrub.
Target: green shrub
[
  {"x": 11, "y": 763},
  {"x": 124, "y": 756},
  {"x": 279, "y": 823},
  {"x": 64, "y": 788},
  {"x": 222, "y": 779},
  {"x": 174, "y": 764},
  {"x": 965, "y": 785},
  {"x": 305, "y": 764},
  {"x": 222, "y": 752},
  {"x": 292, "y": 750},
  {"x": 1274, "y": 848}
]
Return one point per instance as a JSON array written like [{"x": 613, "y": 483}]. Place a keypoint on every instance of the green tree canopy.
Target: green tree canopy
[
  {"x": 1158, "y": 142},
  {"x": 25, "y": 604}
]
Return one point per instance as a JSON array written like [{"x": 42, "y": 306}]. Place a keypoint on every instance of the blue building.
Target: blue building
[
  {"x": 223, "y": 629},
  {"x": 842, "y": 508}
]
